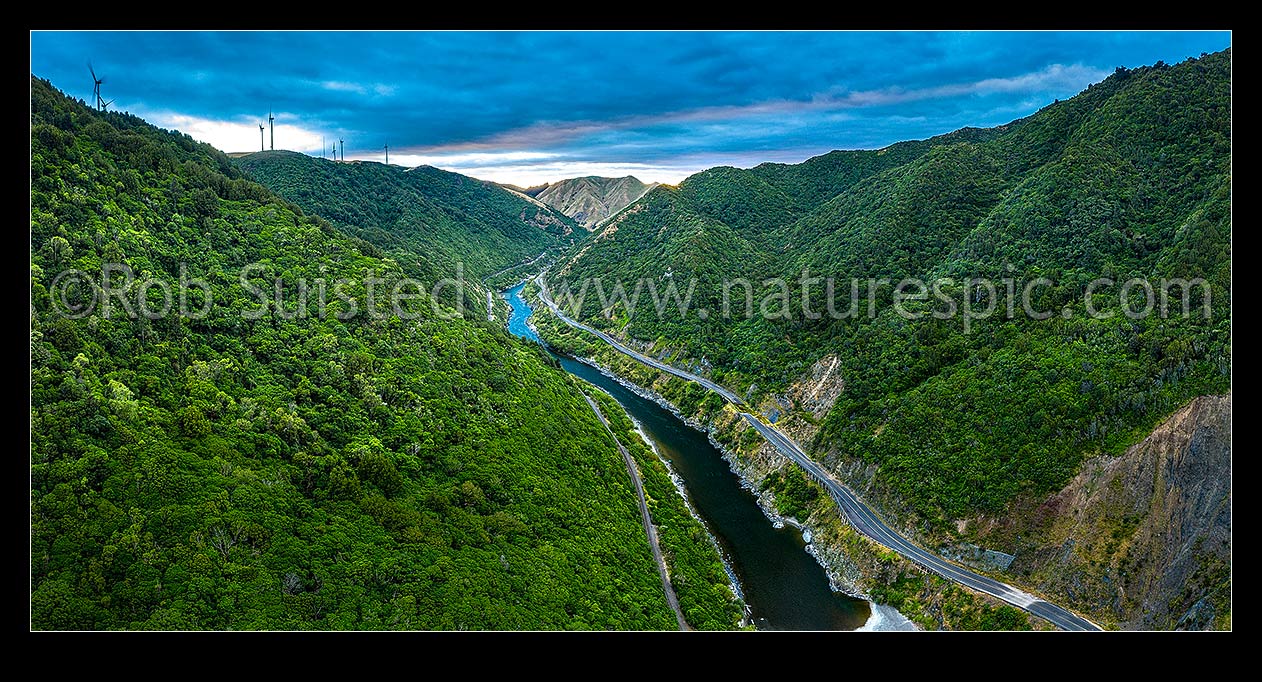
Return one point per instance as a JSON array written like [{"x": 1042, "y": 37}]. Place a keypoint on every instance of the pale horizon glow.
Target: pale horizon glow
[
  {"x": 531, "y": 176},
  {"x": 526, "y": 175},
  {"x": 238, "y": 136},
  {"x": 520, "y": 168}
]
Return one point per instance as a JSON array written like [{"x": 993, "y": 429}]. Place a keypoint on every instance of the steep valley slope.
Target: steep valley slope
[
  {"x": 267, "y": 462},
  {"x": 976, "y": 436}
]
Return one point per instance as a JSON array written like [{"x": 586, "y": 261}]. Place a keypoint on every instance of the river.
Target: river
[{"x": 785, "y": 588}]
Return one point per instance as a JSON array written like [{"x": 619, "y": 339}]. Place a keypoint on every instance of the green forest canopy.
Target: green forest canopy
[
  {"x": 1130, "y": 178},
  {"x": 292, "y": 471}
]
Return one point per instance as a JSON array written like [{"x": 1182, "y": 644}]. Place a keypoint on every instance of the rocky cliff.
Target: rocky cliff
[
  {"x": 1137, "y": 541},
  {"x": 1143, "y": 539}
]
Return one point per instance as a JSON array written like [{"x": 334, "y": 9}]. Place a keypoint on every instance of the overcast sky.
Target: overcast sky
[{"x": 533, "y": 107}]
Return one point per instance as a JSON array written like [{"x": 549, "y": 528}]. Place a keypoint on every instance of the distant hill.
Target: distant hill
[
  {"x": 426, "y": 218},
  {"x": 591, "y": 199},
  {"x": 532, "y": 191}
]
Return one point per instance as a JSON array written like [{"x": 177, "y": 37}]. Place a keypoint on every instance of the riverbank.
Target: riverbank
[
  {"x": 854, "y": 563},
  {"x": 841, "y": 578},
  {"x": 646, "y": 519},
  {"x": 698, "y": 573},
  {"x": 784, "y": 585},
  {"x": 680, "y": 488}
]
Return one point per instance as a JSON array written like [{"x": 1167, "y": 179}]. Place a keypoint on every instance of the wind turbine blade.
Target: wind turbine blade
[{"x": 92, "y": 71}]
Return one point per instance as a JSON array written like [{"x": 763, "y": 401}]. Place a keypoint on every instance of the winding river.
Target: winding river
[{"x": 784, "y": 587}]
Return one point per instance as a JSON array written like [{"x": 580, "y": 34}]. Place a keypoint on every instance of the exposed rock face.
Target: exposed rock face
[
  {"x": 590, "y": 200},
  {"x": 1139, "y": 541},
  {"x": 1145, "y": 537},
  {"x": 816, "y": 391}
]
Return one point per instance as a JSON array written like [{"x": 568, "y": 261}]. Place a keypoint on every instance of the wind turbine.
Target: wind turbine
[
  {"x": 342, "y": 142},
  {"x": 271, "y": 125},
  {"x": 96, "y": 89},
  {"x": 387, "y": 155},
  {"x": 261, "y": 146}
]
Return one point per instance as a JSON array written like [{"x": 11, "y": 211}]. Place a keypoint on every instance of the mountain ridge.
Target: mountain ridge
[
  {"x": 428, "y": 218},
  {"x": 591, "y": 199}
]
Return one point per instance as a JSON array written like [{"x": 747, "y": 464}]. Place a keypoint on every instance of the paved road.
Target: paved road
[
  {"x": 649, "y": 528},
  {"x": 858, "y": 514},
  {"x": 501, "y": 271},
  {"x": 687, "y": 376},
  {"x": 866, "y": 522}
]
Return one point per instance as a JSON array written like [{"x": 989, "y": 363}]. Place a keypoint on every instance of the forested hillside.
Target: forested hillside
[
  {"x": 425, "y": 218},
  {"x": 1131, "y": 178},
  {"x": 268, "y": 466}
]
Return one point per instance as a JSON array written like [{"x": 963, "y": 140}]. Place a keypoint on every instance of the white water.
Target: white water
[{"x": 887, "y": 619}]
